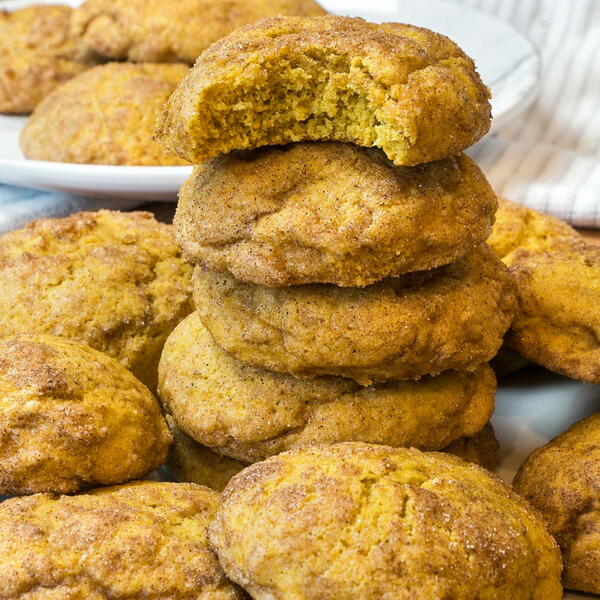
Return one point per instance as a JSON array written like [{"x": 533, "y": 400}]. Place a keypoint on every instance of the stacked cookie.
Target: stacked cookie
[{"x": 343, "y": 288}]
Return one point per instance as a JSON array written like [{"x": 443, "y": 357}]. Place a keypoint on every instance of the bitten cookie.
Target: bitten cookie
[{"x": 409, "y": 91}]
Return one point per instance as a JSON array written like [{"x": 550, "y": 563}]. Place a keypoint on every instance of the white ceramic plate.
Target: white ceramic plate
[{"x": 507, "y": 61}]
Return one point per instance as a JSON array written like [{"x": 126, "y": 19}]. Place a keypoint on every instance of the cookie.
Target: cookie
[
  {"x": 249, "y": 413},
  {"x": 557, "y": 276},
  {"x": 520, "y": 228},
  {"x": 72, "y": 417},
  {"x": 557, "y": 324},
  {"x": 37, "y": 54},
  {"x": 481, "y": 449},
  {"x": 330, "y": 213},
  {"x": 104, "y": 116},
  {"x": 114, "y": 281},
  {"x": 362, "y": 521},
  {"x": 409, "y": 91},
  {"x": 141, "y": 540},
  {"x": 167, "y": 31},
  {"x": 561, "y": 480},
  {"x": 422, "y": 323},
  {"x": 190, "y": 461}
]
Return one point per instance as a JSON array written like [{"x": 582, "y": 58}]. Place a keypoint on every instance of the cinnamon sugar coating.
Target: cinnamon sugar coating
[
  {"x": 72, "y": 417},
  {"x": 362, "y": 521},
  {"x": 114, "y": 281},
  {"x": 453, "y": 317},
  {"x": 407, "y": 90},
  {"x": 330, "y": 213}
]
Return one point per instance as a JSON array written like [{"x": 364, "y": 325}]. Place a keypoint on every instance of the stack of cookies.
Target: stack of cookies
[{"x": 343, "y": 288}]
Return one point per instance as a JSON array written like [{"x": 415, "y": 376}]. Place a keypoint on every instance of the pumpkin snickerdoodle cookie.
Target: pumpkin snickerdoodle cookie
[
  {"x": 330, "y": 213},
  {"x": 114, "y": 281},
  {"x": 362, "y": 521},
  {"x": 249, "y": 413},
  {"x": 168, "y": 31},
  {"x": 190, "y": 461},
  {"x": 104, "y": 116},
  {"x": 557, "y": 276},
  {"x": 557, "y": 324},
  {"x": 140, "y": 540},
  {"x": 453, "y": 317},
  {"x": 520, "y": 228},
  {"x": 72, "y": 417},
  {"x": 37, "y": 54},
  {"x": 409, "y": 91},
  {"x": 561, "y": 480}
]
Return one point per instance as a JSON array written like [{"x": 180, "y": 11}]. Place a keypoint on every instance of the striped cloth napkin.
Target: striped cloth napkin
[{"x": 549, "y": 158}]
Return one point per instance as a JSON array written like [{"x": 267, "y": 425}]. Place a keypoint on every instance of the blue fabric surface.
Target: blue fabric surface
[{"x": 19, "y": 205}]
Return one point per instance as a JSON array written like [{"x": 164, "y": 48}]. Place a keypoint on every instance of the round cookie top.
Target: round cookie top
[
  {"x": 72, "y": 417},
  {"x": 361, "y": 521},
  {"x": 558, "y": 321},
  {"x": 561, "y": 480},
  {"x": 404, "y": 89},
  {"x": 68, "y": 126},
  {"x": 142, "y": 540},
  {"x": 114, "y": 281},
  {"x": 520, "y": 228},
  {"x": 422, "y": 323},
  {"x": 249, "y": 413},
  {"x": 330, "y": 213},
  {"x": 167, "y": 31},
  {"x": 37, "y": 54}
]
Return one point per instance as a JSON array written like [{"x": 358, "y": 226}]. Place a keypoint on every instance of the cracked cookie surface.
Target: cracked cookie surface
[
  {"x": 561, "y": 480},
  {"x": 71, "y": 417},
  {"x": 37, "y": 54},
  {"x": 168, "y": 31},
  {"x": 557, "y": 324},
  {"x": 362, "y": 521},
  {"x": 557, "y": 275},
  {"x": 249, "y": 413},
  {"x": 141, "y": 540},
  {"x": 453, "y": 317},
  {"x": 409, "y": 91},
  {"x": 330, "y": 213},
  {"x": 520, "y": 228},
  {"x": 104, "y": 116},
  {"x": 114, "y": 281}
]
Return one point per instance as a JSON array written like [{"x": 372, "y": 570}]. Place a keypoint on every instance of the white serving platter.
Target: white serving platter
[{"x": 507, "y": 60}]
